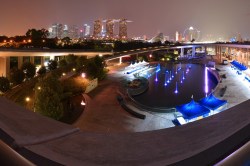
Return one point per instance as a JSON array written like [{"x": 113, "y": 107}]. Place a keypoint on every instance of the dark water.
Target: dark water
[{"x": 160, "y": 96}]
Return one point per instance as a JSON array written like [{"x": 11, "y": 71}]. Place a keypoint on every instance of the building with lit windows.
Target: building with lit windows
[
  {"x": 97, "y": 28},
  {"x": 86, "y": 30}
]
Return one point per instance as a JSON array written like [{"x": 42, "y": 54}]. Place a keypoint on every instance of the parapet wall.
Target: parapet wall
[{"x": 203, "y": 142}]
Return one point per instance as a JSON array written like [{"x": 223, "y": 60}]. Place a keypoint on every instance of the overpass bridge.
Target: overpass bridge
[
  {"x": 16, "y": 57},
  {"x": 8, "y": 57}
]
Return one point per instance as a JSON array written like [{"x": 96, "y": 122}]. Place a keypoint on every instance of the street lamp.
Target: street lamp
[
  {"x": 83, "y": 75},
  {"x": 27, "y": 99},
  {"x": 83, "y": 103}
]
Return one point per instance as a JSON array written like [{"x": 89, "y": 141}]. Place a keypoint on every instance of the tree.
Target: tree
[
  {"x": 95, "y": 68},
  {"x": 66, "y": 40},
  {"x": 37, "y": 36},
  {"x": 62, "y": 63},
  {"x": 48, "y": 96},
  {"x": 52, "y": 65},
  {"x": 29, "y": 69},
  {"x": 71, "y": 58},
  {"x": 16, "y": 76},
  {"x": 4, "y": 84},
  {"x": 80, "y": 61},
  {"x": 42, "y": 70}
]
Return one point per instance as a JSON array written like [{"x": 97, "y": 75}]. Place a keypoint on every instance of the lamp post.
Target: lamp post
[{"x": 27, "y": 99}]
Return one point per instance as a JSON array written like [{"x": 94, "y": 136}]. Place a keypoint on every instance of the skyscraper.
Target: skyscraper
[
  {"x": 177, "y": 36},
  {"x": 56, "y": 30},
  {"x": 86, "y": 30},
  {"x": 74, "y": 32},
  {"x": 97, "y": 28},
  {"x": 65, "y": 31},
  {"x": 123, "y": 34},
  {"x": 110, "y": 28}
]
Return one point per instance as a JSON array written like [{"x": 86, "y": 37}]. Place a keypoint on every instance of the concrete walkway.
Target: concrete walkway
[
  {"x": 236, "y": 92},
  {"x": 103, "y": 112}
]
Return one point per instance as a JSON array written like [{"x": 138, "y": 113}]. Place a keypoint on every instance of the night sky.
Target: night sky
[{"x": 212, "y": 17}]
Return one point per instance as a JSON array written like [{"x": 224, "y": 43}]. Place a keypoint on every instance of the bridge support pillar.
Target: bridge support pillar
[
  {"x": 120, "y": 60},
  {"x": 3, "y": 66},
  {"x": 182, "y": 52},
  {"x": 205, "y": 50},
  {"x": 193, "y": 51},
  {"x": 20, "y": 61}
]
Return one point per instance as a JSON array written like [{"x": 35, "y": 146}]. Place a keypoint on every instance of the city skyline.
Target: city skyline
[{"x": 225, "y": 18}]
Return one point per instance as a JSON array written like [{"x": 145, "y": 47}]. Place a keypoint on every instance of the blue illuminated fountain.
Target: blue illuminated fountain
[
  {"x": 169, "y": 91},
  {"x": 170, "y": 76},
  {"x": 158, "y": 68},
  {"x": 165, "y": 78},
  {"x": 156, "y": 77},
  {"x": 176, "y": 88},
  {"x": 206, "y": 81}
]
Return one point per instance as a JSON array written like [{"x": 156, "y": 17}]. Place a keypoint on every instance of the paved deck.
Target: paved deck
[{"x": 104, "y": 114}]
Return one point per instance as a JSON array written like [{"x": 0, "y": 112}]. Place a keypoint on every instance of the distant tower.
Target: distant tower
[
  {"x": 65, "y": 31},
  {"x": 103, "y": 32},
  {"x": 110, "y": 28},
  {"x": 86, "y": 30},
  {"x": 123, "y": 34},
  {"x": 239, "y": 38},
  {"x": 56, "y": 30},
  {"x": 81, "y": 33},
  {"x": 180, "y": 37},
  {"x": 74, "y": 32},
  {"x": 177, "y": 36},
  {"x": 97, "y": 28}
]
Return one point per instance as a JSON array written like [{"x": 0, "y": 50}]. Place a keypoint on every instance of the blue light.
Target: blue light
[
  {"x": 176, "y": 90},
  {"x": 156, "y": 77}
]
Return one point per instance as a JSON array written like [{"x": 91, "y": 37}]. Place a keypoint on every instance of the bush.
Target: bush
[
  {"x": 52, "y": 65},
  {"x": 4, "y": 84},
  {"x": 62, "y": 63},
  {"x": 48, "y": 97},
  {"x": 16, "y": 76},
  {"x": 42, "y": 70},
  {"x": 29, "y": 69}
]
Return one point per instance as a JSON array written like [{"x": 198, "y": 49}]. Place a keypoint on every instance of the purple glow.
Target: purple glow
[
  {"x": 183, "y": 77},
  {"x": 176, "y": 90},
  {"x": 156, "y": 77},
  {"x": 206, "y": 81},
  {"x": 165, "y": 80}
]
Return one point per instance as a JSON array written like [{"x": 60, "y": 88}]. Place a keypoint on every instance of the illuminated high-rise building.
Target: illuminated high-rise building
[
  {"x": 56, "y": 30},
  {"x": 81, "y": 35},
  {"x": 110, "y": 28},
  {"x": 86, "y": 30},
  {"x": 74, "y": 32},
  {"x": 177, "y": 36},
  {"x": 65, "y": 31},
  {"x": 103, "y": 32},
  {"x": 123, "y": 34},
  {"x": 97, "y": 28}
]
